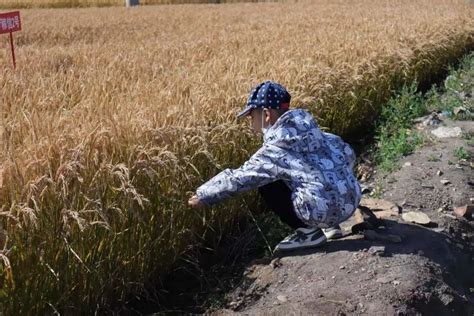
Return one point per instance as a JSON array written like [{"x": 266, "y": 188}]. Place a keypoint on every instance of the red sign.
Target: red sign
[{"x": 10, "y": 22}]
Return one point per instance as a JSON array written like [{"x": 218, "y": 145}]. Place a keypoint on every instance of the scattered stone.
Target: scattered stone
[
  {"x": 282, "y": 298},
  {"x": 448, "y": 216},
  {"x": 439, "y": 173},
  {"x": 460, "y": 246},
  {"x": 407, "y": 164},
  {"x": 386, "y": 214},
  {"x": 446, "y": 132},
  {"x": 438, "y": 229},
  {"x": 464, "y": 211},
  {"x": 365, "y": 219},
  {"x": 373, "y": 235},
  {"x": 416, "y": 217},
  {"x": 377, "y": 205},
  {"x": 395, "y": 282},
  {"x": 377, "y": 250},
  {"x": 342, "y": 267},
  {"x": 445, "y": 181}
]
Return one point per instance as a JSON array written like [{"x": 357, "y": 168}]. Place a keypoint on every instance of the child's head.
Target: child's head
[{"x": 265, "y": 104}]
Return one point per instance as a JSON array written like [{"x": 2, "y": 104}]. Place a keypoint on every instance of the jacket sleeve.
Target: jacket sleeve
[{"x": 259, "y": 170}]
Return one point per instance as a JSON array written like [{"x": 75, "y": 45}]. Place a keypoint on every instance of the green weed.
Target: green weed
[
  {"x": 455, "y": 93},
  {"x": 462, "y": 153},
  {"x": 394, "y": 137}
]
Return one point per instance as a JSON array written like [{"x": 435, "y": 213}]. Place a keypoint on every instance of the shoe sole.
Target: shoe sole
[{"x": 314, "y": 244}]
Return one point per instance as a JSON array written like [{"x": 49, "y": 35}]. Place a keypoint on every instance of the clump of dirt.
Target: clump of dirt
[{"x": 429, "y": 271}]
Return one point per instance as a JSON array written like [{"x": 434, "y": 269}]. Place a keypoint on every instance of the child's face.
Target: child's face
[
  {"x": 255, "y": 117},
  {"x": 260, "y": 118}
]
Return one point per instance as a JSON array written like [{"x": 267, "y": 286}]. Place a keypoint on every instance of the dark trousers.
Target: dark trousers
[{"x": 277, "y": 196}]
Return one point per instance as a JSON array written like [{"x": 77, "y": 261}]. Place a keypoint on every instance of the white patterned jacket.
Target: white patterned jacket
[{"x": 316, "y": 166}]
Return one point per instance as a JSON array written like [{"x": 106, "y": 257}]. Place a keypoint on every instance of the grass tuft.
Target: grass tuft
[{"x": 461, "y": 153}]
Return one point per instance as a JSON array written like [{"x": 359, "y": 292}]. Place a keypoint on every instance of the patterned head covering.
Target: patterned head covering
[{"x": 269, "y": 95}]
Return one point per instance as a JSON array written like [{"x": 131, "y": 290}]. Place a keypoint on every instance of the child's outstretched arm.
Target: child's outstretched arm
[{"x": 259, "y": 170}]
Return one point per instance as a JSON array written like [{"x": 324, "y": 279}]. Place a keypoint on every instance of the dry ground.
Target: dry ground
[{"x": 429, "y": 272}]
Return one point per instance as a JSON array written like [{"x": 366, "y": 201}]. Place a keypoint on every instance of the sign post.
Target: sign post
[{"x": 10, "y": 22}]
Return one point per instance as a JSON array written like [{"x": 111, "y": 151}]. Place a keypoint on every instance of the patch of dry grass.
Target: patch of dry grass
[{"x": 114, "y": 116}]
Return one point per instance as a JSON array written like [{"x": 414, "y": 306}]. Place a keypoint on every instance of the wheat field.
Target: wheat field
[{"x": 114, "y": 116}]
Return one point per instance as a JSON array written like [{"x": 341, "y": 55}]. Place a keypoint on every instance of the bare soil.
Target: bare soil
[{"x": 431, "y": 271}]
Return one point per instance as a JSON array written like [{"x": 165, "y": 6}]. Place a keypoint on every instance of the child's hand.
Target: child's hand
[{"x": 194, "y": 201}]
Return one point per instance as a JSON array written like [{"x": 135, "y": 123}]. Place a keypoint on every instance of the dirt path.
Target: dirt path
[{"x": 429, "y": 271}]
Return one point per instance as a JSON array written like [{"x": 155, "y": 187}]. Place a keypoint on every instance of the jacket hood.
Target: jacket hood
[{"x": 295, "y": 130}]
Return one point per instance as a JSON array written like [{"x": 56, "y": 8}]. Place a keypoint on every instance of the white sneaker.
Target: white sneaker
[
  {"x": 334, "y": 232},
  {"x": 302, "y": 238}
]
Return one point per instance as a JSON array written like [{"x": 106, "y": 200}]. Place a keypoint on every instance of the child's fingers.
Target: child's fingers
[{"x": 194, "y": 201}]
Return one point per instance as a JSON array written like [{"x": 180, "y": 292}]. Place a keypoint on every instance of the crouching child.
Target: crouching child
[{"x": 304, "y": 175}]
